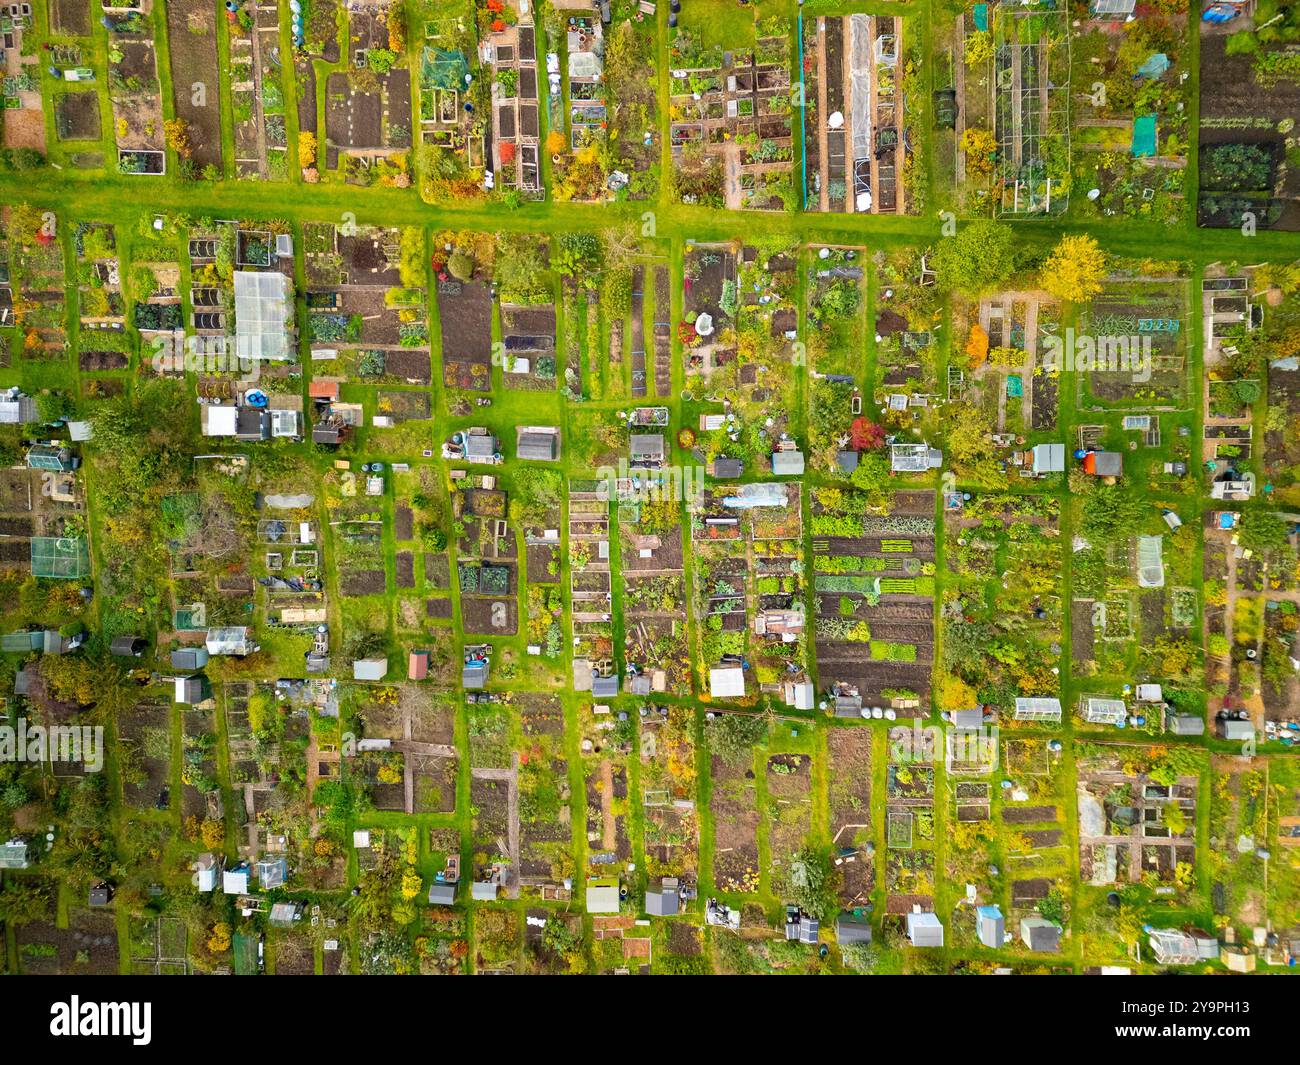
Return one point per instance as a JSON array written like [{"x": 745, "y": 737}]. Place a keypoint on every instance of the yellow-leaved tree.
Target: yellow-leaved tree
[{"x": 1074, "y": 270}]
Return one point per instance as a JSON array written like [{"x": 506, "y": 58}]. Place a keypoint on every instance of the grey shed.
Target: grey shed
[
  {"x": 1040, "y": 935},
  {"x": 480, "y": 447},
  {"x": 662, "y": 900},
  {"x": 442, "y": 894},
  {"x": 539, "y": 447},
  {"x": 787, "y": 463},
  {"x": 1237, "y": 730},
  {"x": 851, "y": 928},
  {"x": 990, "y": 926},
  {"x": 189, "y": 658},
  {"x": 474, "y": 675}
]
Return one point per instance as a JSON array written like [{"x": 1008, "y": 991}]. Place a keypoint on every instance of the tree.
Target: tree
[
  {"x": 969, "y": 440},
  {"x": 813, "y": 886},
  {"x": 872, "y": 473},
  {"x": 537, "y": 491},
  {"x": 55, "y": 406},
  {"x": 219, "y": 938},
  {"x": 521, "y": 268},
  {"x": 26, "y": 222},
  {"x": 979, "y": 257},
  {"x": 1111, "y": 513},
  {"x": 26, "y": 159},
  {"x": 980, "y": 146},
  {"x": 22, "y": 902},
  {"x": 460, "y": 266},
  {"x": 977, "y": 346},
  {"x": 1260, "y": 532},
  {"x": 1074, "y": 270},
  {"x": 956, "y": 694},
  {"x": 177, "y": 135},
  {"x": 622, "y": 245},
  {"x": 733, "y": 737},
  {"x": 866, "y": 435},
  {"x": 306, "y": 148}
]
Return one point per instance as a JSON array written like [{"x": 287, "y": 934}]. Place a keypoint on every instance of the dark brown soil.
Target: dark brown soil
[
  {"x": 539, "y": 557},
  {"x": 465, "y": 319},
  {"x": 403, "y": 522},
  {"x": 404, "y": 569},
  {"x": 409, "y": 364},
  {"x": 92, "y": 361},
  {"x": 71, "y": 18},
  {"x": 77, "y": 116},
  {"x": 194, "y": 60},
  {"x": 1028, "y": 815},
  {"x": 364, "y": 582},
  {"x": 478, "y": 616}
]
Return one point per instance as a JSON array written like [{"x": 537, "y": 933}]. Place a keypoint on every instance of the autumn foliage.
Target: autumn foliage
[
  {"x": 977, "y": 346},
  {"x": 866, "y": 435}
]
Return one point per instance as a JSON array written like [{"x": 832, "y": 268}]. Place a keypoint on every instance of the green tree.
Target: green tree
[
  {"x": 733, "y": 737},
  {"x": 1261, "y": 531},
  {"x": 23, "y": 901},
  {"x": 981, "y": 256},
  {"x": 813, "y": 884}
]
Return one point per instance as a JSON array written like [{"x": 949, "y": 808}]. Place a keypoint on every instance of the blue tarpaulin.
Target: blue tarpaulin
[
  {"x": 1144, "y": 135},
  {"x": 1155, "y": 65}
]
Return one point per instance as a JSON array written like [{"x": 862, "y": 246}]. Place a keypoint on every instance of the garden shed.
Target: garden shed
[
  {"x": 787, "y": 463},
  {"x": 990, "y": 926},
  {"x": 602, "y": 894},
  {"x": 924, "y": 930},
  {"x": 727, "y": 682}
]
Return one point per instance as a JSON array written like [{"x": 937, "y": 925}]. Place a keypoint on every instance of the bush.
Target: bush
[
  {"x": 733, "y": 737},
  {"x": 460, "y": 266}
]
